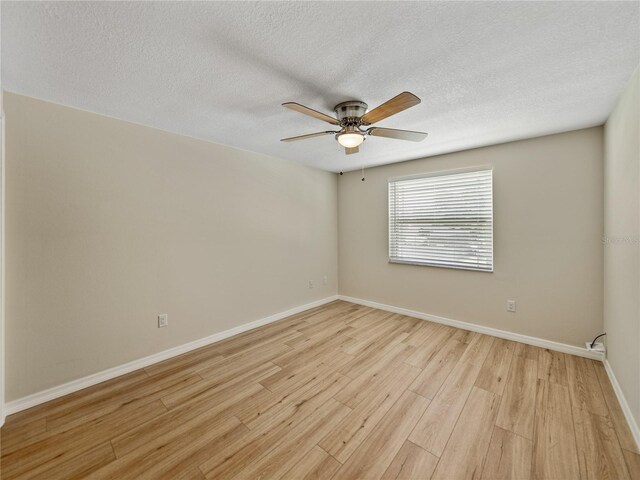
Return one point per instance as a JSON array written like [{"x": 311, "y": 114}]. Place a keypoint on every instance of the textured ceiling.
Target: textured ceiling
[{"x": 487, "y": 72}]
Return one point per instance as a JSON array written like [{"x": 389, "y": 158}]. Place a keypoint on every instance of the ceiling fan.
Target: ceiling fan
[{"x": 352, "y": 116}]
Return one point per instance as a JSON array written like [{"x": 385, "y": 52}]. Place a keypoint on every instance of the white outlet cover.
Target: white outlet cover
[
  {"x": 598, "y": 347},
  {"x": 163, "y": 320}
]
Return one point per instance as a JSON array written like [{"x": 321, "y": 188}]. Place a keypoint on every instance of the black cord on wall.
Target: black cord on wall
[{"x": 594, "y": 340}]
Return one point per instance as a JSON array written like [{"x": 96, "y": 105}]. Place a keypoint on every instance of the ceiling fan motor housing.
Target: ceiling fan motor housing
[{"x": 349, "y": 113}]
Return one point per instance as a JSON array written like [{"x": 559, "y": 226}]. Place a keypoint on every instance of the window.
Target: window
[{"x": 442, "y": 220}]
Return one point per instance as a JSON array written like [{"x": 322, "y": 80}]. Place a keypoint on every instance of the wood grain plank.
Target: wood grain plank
[
  {"x": 314, "y": 351},
  {"x": 373, "y": 319},
  {"x": 184, "y": 464},
  {"x": 517, "y": 407},
  {"x": 209, "y": 387},
  {"x": 351, "y": 432},
  {"x": 374, "y": 456},
  {"x": 296, "y": 444},
  {"x": 260, "y": 408},
  {"x": 151, "y": 459},
  {"x": 390, "y": 320},
  {"x": 422, "y": 334},
  {"x": 177, "y": 420},
  {"x": 552, "y": 367},
  {"x": 95, "y": 393},
  {"x": 615, "y": 411},
  {"x": 155, "y": 389},
  {"x": 633, "y": 463},
  {"x": 362, "y": 386},
  {"x": 509, "y": 457},
  {"x": 434, "y": 428},
  {"x": 56, "y": 449},
  {"x": 584, "y": 386},
  {"x": 77, "y": 467},
  {"x": 393, "y": 355},
  {"x": 291, "y": 378},
  {"x": 193, "y": 473},
  {"x": 260, "y": 337},
  {"x": 376, "y": 350},
  {"x": 316, "y": 465},
  {"x": 465, "y": 452},
  {"x": 465, "y": 336},
  {"x": 370, "y": 330},
  {"x": 243, "y": 362},
  {"x": 554, "y": 447},
  {"x": 19, "y": 434},
  {"x": 279, "y": 339},
  {"x": 224, "y": 423},
  {"x": 303, "y": 341},
  {"x": 411, "y": 463},
  {"x": 478, "y": 349},
  {"x": 334, "y": 322},
  {"x": 411, "y": 324},
  {"x": 599, "y": 453},
  {"x": 529, "y": 352},
  {"x": 300, "y": 403},
  {"x": 423, "y": 354},
  {"x": 273, "y": 425},
  {"x": 495, "y": 370},
  {"x": 256, "y": 404},
  {"x": 191, "y": 360},
  {"x": 438, "y": 369}
]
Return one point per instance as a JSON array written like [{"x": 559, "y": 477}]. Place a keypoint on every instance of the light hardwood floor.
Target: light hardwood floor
[{"x": 338, "y": 392}]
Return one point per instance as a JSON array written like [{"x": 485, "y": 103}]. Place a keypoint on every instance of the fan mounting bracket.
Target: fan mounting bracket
[{"x": 349, "y": 113}]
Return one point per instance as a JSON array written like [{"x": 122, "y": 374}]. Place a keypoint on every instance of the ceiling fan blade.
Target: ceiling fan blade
[
  {"x": 349, "y": 151},
  {"x": 309, "y": 135},
  {"x": 311, "y": 112},
  {"x": 398, "y": 134},
  {"x": 390, "y": 107}
]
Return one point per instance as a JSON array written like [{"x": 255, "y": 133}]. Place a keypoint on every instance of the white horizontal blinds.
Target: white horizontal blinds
[{"x": 444, "y": 220}]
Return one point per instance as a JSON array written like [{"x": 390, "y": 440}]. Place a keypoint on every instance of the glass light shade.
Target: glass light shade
[{"x": 350, "y": 140}]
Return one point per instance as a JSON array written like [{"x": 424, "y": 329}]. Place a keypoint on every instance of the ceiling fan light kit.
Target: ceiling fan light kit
[
  {"x": 352, "y": 116},
  {"x": 350, "y": 138}
]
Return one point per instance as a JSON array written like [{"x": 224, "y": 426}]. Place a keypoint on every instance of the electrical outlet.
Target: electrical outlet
[
  {"x": 597, "y": 347},
  {"x": 324, "y": 279},
  {"x": 163, "y": 320},
  {"x": 511, "y": 305},
  {"x": 310, "y": 283}
]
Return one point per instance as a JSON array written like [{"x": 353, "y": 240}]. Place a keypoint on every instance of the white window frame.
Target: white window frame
[{"x": 410, "y": 261}]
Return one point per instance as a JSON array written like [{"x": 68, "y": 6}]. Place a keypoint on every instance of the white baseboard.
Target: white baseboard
[
  {"x": 538, "y": 342},
  {"x": 75, "y": 385},
  {"x": 633, "y": 425}
]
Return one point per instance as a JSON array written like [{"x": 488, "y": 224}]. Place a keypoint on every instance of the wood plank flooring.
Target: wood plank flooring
[{"x": 338, "y": 392}]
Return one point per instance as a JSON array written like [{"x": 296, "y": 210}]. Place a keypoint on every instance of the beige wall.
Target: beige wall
[
  {"x": 622, "y": 242},
  {"x": 548, "y": 221},
  {"x": 110, "y": 224}
]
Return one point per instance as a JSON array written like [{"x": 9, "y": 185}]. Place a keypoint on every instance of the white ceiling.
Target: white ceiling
[{"x": 487, "y": 72}]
